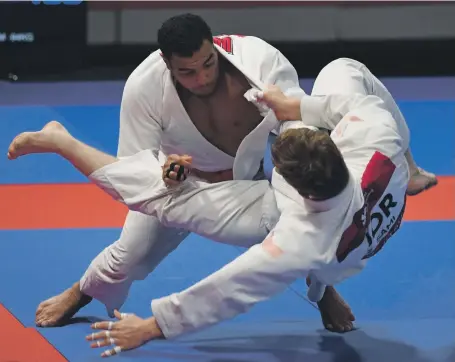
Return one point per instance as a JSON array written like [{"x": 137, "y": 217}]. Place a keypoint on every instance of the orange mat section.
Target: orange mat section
[
  {"x": 58, "y": 206},
  {"x": 21, "y": 344},
  {"x": 435, "y": 204}
]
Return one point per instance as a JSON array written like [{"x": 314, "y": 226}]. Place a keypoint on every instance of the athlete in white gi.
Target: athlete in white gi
[
  {"x": 327, "y": 240},
  {"x": 187, "y": 98}
]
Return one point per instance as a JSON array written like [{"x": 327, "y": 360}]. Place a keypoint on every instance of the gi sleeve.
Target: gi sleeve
[
  {"x": 282, "y": 73},
  {"x": 261, "y": 272},
  {"x": 327, "y": 111},
  {"x": 140, "y": 127}
]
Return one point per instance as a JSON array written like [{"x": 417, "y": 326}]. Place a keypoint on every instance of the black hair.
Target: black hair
[{"x": 183, "y": 35}]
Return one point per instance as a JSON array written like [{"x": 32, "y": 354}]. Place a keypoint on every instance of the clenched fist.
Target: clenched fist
[
  {"x": 176, "y": 169},
  {"x": 285, "y": 108}
]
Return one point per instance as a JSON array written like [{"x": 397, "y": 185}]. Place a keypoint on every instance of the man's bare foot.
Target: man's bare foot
[
  {"x": 420, "y": 181},
  {"x": 58, "y": 310},
  {"x": 45, "y": 141},
  {"x": 336, "y": 314}
]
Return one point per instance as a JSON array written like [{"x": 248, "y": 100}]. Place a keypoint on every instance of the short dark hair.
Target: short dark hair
[
  {"x": 183, "y": 35},
  {"x": 310, "y": 162}
]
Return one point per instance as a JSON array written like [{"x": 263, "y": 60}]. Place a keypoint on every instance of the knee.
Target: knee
[
  {"x": 117, "y": 263},
  {"x": 135, "y": 260}
]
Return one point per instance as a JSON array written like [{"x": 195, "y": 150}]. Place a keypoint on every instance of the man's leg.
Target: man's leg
[
  {"x": 219, "y": 211},
  {"x": 230, "y": 212},
  {"x": 142, "y": 246},
  {"x": 421, "y": 179},
  {"x": 348, "y": 76},
  {"x": 341, "y": 76},
  {"x": 54, "y": 138}
]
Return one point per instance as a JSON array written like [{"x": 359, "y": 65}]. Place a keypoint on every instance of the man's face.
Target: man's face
[{"x": 198, "y": 73}]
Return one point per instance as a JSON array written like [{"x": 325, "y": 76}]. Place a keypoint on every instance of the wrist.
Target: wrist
[
  {"x": 293, "y": 109},
  {"x": 151, "y": 329}
]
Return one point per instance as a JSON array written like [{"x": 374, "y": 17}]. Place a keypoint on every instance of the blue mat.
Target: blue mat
[{"x": 404, "y": 301}]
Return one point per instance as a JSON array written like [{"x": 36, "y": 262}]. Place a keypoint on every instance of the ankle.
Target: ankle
[
  {"x": 79, "y": 295},
  {"x": 65, "y": 144},
  {"x": 411, "y": 163}
]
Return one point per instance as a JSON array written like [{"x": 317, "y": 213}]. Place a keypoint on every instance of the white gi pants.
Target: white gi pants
[
  {"x": 235, "y": 212},
  {"x": 348, "y": 76}
]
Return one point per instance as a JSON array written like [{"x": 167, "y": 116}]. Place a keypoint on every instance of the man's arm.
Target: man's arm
[
  {"x": 327, "y": 111},
  {"x": 140, "y": 127},
  {"x": 263, "y": 271},
  {"x": 317, "y": 111}
]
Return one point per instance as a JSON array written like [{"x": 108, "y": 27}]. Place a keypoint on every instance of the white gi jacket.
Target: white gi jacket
[
  {"x": 153, "y": 117},
  {"x": 327, "y": 239}
]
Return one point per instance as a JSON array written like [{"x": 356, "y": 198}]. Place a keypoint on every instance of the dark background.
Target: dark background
[{"x": 60, "y": 50}]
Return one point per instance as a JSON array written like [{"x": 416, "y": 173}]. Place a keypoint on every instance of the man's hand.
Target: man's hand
[
  {"x": 285, "y": 108},
  {"x": 129, "y": 332},
  {"x": 176, "y": 169}
]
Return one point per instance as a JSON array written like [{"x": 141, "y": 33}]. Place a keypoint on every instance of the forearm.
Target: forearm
[
  {"x": 322, "y": 111},
  {"x": 328, "y": 110}
]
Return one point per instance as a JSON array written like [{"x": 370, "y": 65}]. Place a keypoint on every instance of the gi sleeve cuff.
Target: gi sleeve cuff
[
  {"x": 166, "y": 312},
  {"x": 312, "y": 110}
]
